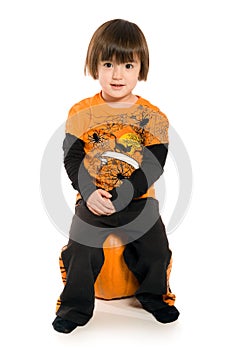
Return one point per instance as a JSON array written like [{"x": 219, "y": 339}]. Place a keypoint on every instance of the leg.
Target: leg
[
  {"x": 80, "y": 266},
  {"x": 149, "y": 258},
  {"x": 81, "y": 261}
]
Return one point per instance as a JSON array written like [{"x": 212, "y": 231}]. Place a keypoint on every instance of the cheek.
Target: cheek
[
  {"x": 134, "y": 76},
  {"x": 134, "y": 80},
  {"x": 103, "y": 77}
]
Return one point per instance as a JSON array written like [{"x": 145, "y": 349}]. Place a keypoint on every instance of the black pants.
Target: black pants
[{"x": 146, "y": 253}]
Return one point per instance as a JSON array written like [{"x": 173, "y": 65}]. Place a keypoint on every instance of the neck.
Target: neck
[{"x": 121, "y": 102}]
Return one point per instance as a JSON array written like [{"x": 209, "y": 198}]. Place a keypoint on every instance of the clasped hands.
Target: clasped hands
[{"x": 100, "y": 203}]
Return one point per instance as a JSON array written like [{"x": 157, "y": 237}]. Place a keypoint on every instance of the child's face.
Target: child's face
[{"x": 118, "y": 80}]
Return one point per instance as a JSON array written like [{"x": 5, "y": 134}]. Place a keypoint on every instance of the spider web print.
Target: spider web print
[{"x": 100, "y": 137}]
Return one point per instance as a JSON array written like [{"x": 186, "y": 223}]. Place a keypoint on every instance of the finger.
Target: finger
[
  {"x": 104, "y": 193},
  {"x": 99, "y": 210},
  {"x": 108, "y": 207},
  {"x": 103, "y": 205},
  {"x": 110, "y": 213},
  {"x": 94, "y": 211}
]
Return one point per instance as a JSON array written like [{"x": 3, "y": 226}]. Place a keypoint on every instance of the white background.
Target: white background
[{"x": 43, "y": 48}]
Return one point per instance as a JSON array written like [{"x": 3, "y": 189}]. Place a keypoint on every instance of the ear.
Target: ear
[{"x": 96, "y": 77}]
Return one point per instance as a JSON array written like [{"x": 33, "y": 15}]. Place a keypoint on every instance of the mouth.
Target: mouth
[{"x": 117, "y": 86}]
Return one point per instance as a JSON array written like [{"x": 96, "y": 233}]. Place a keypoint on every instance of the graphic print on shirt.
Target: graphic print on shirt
[
  {"x": 114, "y": 142},
  {"x": 114, "y": 150}
]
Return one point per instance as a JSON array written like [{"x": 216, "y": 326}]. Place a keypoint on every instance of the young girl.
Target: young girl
[{"x": 115, "y": 149}]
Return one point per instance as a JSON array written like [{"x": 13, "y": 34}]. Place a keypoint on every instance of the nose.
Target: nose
[{"x": 117, "y": 72}]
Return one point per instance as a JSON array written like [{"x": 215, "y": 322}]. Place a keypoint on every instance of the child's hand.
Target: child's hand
[
  {"x": 99, "y": 203},
  {"x": 124, "y": 193}
]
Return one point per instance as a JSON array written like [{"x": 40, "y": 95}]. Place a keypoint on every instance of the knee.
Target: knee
[
  {"x": 154, "y": 257},
  {"x": 83, "y": 254}
]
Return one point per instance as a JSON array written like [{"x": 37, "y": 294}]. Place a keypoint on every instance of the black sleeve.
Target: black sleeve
[
  {"x": 73, "y": 161},
  {"x": 154, "y": 158},
  {"x": 152, "y": 167}
]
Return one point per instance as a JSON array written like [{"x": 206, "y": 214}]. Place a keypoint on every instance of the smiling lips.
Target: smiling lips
[{"x": 117, "y": 85}]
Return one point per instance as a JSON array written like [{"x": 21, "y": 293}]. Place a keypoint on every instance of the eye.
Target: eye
[
  {"x": 108, "y": 64},
  {"x": 128, "y": 66}
]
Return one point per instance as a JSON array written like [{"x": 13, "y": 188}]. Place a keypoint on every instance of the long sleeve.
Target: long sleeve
[
  {"x": 111, "y": 142},
  {"x": 74, "y": 154},
  {"x": 152, "y": 167},
  {"x": 137, "y": 184}
]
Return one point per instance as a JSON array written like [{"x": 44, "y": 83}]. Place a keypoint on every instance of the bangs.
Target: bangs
[
  {"x": 116, "y": 44},
  {"x": 119, "y": 53},
  {"x": 117, "y": 40}
]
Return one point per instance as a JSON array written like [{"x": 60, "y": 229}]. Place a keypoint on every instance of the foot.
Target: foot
[
  {"x": 63, "y": 326},
  {"x": 167, "y": 314}
]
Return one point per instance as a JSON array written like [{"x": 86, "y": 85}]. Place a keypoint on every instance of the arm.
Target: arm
[
  {"x": 152, "y": 167},
  {"x": 74, "y": 154},
  {"x": 137, "y": 184},
  {"x": 97, "y": 200}
]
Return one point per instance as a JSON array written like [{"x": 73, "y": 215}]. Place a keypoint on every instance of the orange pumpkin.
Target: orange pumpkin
[{"x": 115, "y": 280}]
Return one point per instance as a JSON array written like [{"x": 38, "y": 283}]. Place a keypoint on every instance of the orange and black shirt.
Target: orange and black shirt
[{"x": 105, "y": 145}]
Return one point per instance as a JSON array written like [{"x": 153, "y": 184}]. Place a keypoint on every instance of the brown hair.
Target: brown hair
[{"x": 120, "y": 39}]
